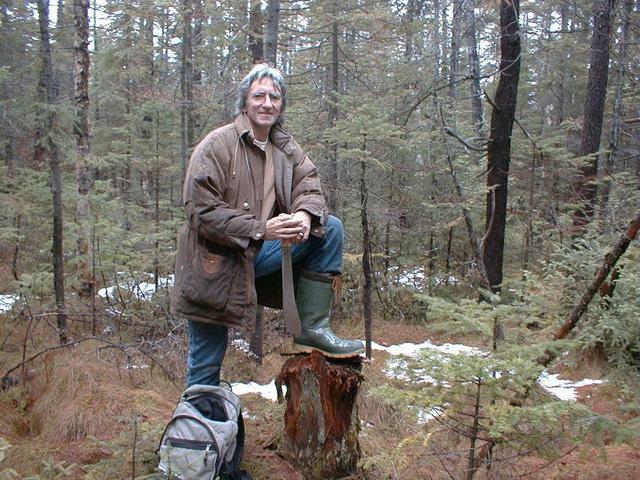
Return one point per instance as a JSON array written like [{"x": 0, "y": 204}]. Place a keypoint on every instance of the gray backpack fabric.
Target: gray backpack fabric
[{"x": 205, "y": 437}]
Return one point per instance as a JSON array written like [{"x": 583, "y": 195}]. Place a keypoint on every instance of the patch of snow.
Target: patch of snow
[
  {"x": 447, "y": 279},
  {"x": 134, "y": 366},
  {"x": 247, "y": 415},
  {"x": 428, "y": 415},
  {"x": 412, "y": 278},
  {"x": 141, "y": 290},
  {"x": 563, "y": 389},
  {"x": 395, "y": 368},
  {"x": 241, "y": 344},
  {"x": 7, "y": 301},
  {"x": 417, "y": 278},
  {"x": 412, "y": 349},
  {"x": 267, "y": 391}
]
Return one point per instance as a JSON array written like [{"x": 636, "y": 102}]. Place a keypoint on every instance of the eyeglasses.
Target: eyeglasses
[{"x": 261, "y": 96}]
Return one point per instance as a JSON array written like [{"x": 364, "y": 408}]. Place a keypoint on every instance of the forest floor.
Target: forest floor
[{"x": 97, "y": 410}]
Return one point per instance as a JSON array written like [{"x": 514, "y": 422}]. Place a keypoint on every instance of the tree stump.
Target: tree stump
[{"x": 321, "y": 421}]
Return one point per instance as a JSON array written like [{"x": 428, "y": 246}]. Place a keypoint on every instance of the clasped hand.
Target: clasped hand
[{"x": 289, "y": 228}]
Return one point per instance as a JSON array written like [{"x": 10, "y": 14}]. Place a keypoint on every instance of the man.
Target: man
[{"x": 248, "y": 190}]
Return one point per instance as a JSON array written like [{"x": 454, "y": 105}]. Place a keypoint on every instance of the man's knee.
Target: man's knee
[{"x": 334, "y": 231}]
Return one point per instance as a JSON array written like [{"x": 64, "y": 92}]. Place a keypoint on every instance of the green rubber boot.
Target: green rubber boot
[{"x": 314, "y": 297}]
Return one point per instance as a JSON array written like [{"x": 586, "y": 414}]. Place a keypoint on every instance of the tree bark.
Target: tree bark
[
  {"x": 454, "y": 57},
  {"x": 332, "y": 174},
  {"x": 409, "y": 20},
  {"x": 321, "y": 419},
  {"x": 564, "y": 67},
  {"x": 84, "y": 181},
  {"x": 528, "y": 235},
  {"x": 499, "y": 149},
  {"x": 614, "y": 131},
  {"x": 586, "y": 188},
  {"x": 186, "y": 88},
  {"x": 256, "y": 42},
  {"x": 156, "y": 209},
  {"x": 60, "y": 20},
  {"x": 95, "y": 74},
  {"x": 271, "y": 37},
  {"x": 474, "y": 69},
  {"x": 366, "y": 259},
  {"x": 50, "y": 148}
]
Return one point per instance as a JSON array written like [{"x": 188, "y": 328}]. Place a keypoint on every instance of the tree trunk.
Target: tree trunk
[
  {"x": 321, "y": 419},
  {"x": 409, "y": 20},
  {"x": 366, "y": 259},
  {"x": 256, "y": 43},
  {"x": 454, "y": 57},
  {"x": 50, "y": 148},
  {"x": 332, "y": 174},
  {"x": 95, "y": 52},
  {"x": 437, "y": 54},
  {"x": 156, "y": 209},
  {"x": 528, "y": 235},
  {"x": 163, "y": 68},
  {"x": 16, "y": 248},
  {"x": 60, "y": 20},
  {"x": 499, "y": 149},
  {"x": 474, "y": 430},
  {"x": 614, "y": 131},
  {"x": 474, "y": 68},
  {"x": 564, "y": 67},
  {"x": 271, "y": 38},
  {"x": 83, "y": 146},
  {"x": 186, "y": 88},
  {"x": 586, "y": 188}
]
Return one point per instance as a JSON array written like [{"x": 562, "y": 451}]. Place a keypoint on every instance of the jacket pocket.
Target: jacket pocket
[{"x": 209, "y": 278}]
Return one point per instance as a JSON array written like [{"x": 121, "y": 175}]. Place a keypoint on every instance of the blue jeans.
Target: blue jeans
[{"x": 208, "y": 342}]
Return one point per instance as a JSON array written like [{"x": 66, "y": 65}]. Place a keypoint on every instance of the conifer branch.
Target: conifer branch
[{"x": 609, "y": 262}]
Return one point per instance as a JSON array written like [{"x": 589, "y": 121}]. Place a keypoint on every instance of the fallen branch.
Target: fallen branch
[{"x": 610, "y": 260}]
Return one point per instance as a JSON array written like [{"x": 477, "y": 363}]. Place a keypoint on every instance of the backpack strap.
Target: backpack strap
[{"x": 231, "y": 470}]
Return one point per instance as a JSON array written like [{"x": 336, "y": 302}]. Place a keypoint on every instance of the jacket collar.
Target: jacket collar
[{"x": 278, "y": 135}]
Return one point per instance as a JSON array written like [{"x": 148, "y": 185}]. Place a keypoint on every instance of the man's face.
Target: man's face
[{"x": 263, "y": 105}]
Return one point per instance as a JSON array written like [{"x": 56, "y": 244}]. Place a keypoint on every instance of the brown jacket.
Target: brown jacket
[{"x": 222, "y": 195}]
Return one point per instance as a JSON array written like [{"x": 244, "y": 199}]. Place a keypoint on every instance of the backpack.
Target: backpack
[{"x": 204, "y": 439}]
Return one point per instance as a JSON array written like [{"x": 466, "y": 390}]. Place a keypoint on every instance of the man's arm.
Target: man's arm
[
  {"x": 208, "y": 213},
  {"x": 307, "y": 197}
]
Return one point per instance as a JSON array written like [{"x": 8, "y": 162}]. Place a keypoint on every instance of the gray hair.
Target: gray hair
[{"x": 261, "y": 70}]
